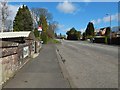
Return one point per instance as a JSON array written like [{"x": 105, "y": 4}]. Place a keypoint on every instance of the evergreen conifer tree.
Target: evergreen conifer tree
[{"x": 23, "y": 20}]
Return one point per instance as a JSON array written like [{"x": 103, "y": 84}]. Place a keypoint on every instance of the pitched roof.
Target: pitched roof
[{"x": 15, "y": 34}]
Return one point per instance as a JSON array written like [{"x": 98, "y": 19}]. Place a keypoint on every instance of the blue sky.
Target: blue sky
[{"x": 78, "y": 14}]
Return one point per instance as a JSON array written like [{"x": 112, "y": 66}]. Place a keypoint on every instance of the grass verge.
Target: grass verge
[{"x": 54, "y": 41}]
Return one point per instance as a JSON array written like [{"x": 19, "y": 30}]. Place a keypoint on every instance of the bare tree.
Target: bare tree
[
  {"x": 8, "y": 25},
  {"x": 52, "y": 29},
  {"x": 41, "y": 12},
  {"x": 4, "y": 13},
  {"x": 54, "y": 26}
]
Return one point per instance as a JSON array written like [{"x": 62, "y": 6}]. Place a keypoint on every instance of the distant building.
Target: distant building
[{"x": 118, "y": 34}]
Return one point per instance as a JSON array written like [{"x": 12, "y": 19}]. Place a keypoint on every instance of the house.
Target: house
[{"x": 102, "y": 31}]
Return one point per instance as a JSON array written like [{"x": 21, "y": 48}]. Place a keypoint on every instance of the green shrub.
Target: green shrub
[
  {"x": 44, "y": 37},
  {"x": 106, "y": 40}
]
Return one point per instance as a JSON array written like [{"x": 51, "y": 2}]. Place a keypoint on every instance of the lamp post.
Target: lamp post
[{"x": 110, "y": 26}]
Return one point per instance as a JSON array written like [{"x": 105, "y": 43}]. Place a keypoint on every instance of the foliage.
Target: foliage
[
  {"x": 23, "y": 20},
  {"x": 83, "y": 36},
  {"x": 78, "y": 33},
  {"x": 106, "y": 41},
  {"x": 54, "y": 41},
  {"x": 44, "y": 37},
  {"x": 48, "y": 30},
  {"x": 43, "y": 23},
  {"x": 51, "y": 29},
  {"x": 42, "y": 12},
  {"x": 60, "y": 36},
  {"x": 90, "y": 29},
  {"x": 55, "y": 35},
  {"x": 73, "y": 34},
  {"x": 36, "y": 32}
]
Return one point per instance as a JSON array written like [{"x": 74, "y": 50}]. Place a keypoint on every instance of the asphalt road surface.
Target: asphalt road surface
[{"x": 90, "y": 65}]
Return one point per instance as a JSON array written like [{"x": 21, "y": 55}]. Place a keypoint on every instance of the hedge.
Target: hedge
[{"x": 115, "y": 41}]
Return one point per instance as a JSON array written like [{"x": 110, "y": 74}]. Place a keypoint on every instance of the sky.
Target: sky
[{"x": 75, "y": 14}]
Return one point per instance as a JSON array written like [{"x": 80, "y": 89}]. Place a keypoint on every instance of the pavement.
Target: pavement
[
  {"x": 42, "y": 72},
  {"x": 90, "y": 65}
]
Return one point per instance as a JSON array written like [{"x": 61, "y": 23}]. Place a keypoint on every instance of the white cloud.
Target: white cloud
[
  {"x": 66, "y": 7},
  {"x": 96, "y": 21},
  {"x": 65, "y": 30},
  {"x": 106, "y": 19},
  {"x": 60, "y": 26},
  {"x": 113, "y": 17},
  {"x": 99, "y": 20},
  {"x": 93, "y": 21}
]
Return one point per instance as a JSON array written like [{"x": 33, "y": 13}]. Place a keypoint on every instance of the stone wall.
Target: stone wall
[
  {"x": 12, "y": 58},
  {"x": 8, "y": 60},
  {"x": 9, "y": 66}
]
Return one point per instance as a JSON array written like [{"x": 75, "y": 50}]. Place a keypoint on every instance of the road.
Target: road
[
  {"x": 90, "y": 65},
  {"x": 41, "y": 72}
]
